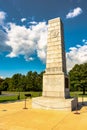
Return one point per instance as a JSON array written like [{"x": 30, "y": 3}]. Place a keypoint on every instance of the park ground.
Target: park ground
[{"x": 14, "y": 117}]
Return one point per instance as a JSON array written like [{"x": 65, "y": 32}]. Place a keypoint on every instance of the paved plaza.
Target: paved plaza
[{"x": 14, "y": 117}]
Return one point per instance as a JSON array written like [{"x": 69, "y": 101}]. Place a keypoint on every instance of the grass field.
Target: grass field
[
  {"x": 13, "y": 96},
  {"x": 78, "y": 94}
]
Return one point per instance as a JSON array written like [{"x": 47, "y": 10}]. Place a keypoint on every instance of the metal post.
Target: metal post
[
  {"x": 76, "y": 112},
  {"x": 25, "y": 104},
  {"x": 82, "y": 100},
  {"x": 18, "y": 95}
]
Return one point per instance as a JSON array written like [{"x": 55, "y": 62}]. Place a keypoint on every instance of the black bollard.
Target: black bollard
[{"x": 25, "y": 103}]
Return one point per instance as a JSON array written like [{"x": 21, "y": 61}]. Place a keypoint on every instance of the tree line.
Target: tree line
[
  {"x": 32, "y": 81},
  {"x": 78, "y": 78}
]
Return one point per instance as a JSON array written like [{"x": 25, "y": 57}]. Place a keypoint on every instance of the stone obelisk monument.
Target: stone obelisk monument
[
  {"x": 55, "y": 79},
  {"x": 55, "y": 93}
]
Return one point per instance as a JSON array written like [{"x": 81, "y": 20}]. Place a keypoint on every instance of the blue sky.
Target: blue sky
[{"x": 23, "y": 33}]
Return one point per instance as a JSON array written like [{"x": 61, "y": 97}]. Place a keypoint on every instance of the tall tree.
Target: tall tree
[
  {"x": 16, "y": 80},
  {"x": 78, "y": 77},
  {"x": 5, "y": 84},
  {"x": 32, "y": 81},
  {"x": 29, "y": 80}
]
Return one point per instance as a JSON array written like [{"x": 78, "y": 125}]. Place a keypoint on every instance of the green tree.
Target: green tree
[
  {"x": 32, "y": 81},
  {"x": 22, "y": 83},
  {"x": 29, "y": 80},
  {"x": 78, "y": 77},
  {"x": 40, "y": 81},
  {"x": 5, "y": 84},
  {"x": 15, "y": 82},
  {"x": 1, "y": 80}
]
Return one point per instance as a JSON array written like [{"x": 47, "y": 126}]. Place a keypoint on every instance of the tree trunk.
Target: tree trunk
[{"x": 83, "y": 90}]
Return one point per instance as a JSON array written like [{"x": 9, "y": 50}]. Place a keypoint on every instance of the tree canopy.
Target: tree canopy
[
  {"x": 78, "y": 77},
  {"x": 32, "y": 81}
]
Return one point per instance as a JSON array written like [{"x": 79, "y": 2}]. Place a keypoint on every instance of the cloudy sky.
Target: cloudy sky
[{"x": 23, "y": 33}]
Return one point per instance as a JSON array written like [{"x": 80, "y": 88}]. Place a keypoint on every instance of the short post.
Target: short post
[
  {"x": 19, "y": 96},
  {"x": 76, "y": 112},
  {"x": 27, "y": 95},
  {"x": 82, "y": 99},
  {"x": 0, "y": 92},
  {"x": 25, "y": 104}
]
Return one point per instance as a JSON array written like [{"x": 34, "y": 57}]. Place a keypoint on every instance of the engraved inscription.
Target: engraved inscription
[{"x": 54, "y": 33}]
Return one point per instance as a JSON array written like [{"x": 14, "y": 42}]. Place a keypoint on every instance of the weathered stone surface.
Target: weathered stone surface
[
  {"x": 55, "y": 79},
  {"x": 54, "y": 103}
]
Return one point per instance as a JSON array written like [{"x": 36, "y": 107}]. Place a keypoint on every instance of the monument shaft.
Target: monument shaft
[
  {"x": 56, "y": 61},
  {"x": 55, "y": 93},
  {"x": 55, "y": 80}
]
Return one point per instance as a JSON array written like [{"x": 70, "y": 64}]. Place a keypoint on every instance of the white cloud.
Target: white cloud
[
  {"x": 2, "y": 17},
  {"x": 32, "y": 41},
  {"x": 42, "y": 44},
  {"x": 23, "y": 19},
  {"x": 3, "y": 39},
  {"x": 27, "y": 41},
  {"x": 78, "y": 45},
  {"x": 76, "y": 55},
  {"x": 75, "y": 12},
  {"x": 84, "y": 41},
  {"x": 33, "y": 22},
  {"x": 29, "y": 58}
]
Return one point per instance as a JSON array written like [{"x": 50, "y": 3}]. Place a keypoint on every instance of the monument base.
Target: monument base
[{"x": 55, "y": 103}]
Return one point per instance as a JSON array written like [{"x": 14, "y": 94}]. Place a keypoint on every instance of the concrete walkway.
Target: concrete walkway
[{"x": 14, "y": 117}]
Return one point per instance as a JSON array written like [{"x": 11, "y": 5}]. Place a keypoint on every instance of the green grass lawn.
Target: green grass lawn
[
  {"x": 13, "y": 96},
  {"x": 78, "y": 94}
]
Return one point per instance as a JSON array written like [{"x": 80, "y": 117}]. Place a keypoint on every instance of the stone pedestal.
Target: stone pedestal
[
  {"x": 54, "y": 103},
  {"x": 55, "y": 79},
  {"x": 54, "y": 85}
]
